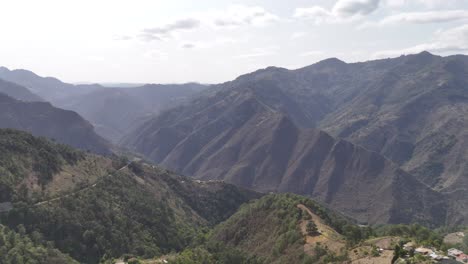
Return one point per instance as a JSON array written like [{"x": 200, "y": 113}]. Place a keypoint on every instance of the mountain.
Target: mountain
[
  {"x": 42, "y": 119},
  {"x": 70, "y": 206},
  {"x": 115, "y": 111},
  {"x": 286, "y": 228},
  {"x": 112, "y": 111},
  {"x": 18, "y": 92},
  {"x": 49, "y": 88},
  {"x": 410, "y": 109},
  {"x": 95, "y": 209},
  {"x": 241, "y": 135},
  {"x": 273, "y": 229}
]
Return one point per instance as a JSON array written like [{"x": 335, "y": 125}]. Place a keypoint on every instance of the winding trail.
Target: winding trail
[{"x": 69, "y": 194}]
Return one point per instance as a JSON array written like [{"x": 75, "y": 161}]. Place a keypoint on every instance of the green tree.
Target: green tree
[{"x": 312, "y": 229}]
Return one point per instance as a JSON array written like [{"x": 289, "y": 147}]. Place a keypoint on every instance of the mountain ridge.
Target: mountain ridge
[
  {"x": 42, "y": 119},
  {"x": 237, "y": 137}
]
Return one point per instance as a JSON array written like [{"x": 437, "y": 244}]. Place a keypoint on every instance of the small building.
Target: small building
[
  {"x": 453, "y": 252},
  {"x": 435, "y": 256},
  {"x": 462, "y": 258},
  {"x": 409, "y": 246},
  {"x": 424, "y": 251}
]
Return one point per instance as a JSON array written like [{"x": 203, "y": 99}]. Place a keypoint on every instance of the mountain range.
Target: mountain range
[
  {"x": 410, "y": 109},
  {"x": 18, "y": 92},
  {"x": 233, "y": 136},
  {"x": 48, "y": 88},
  {"x": 69, "y": 206},
  {"x": 407, "y": 114},
  {"x": 382, "y": 141},
  {"x": 372, "y": 143},
  {"x": 114, "y": 112},
  {"x": 43, "y": 119}
]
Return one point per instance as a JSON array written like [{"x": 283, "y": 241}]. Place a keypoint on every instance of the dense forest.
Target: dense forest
[
  {"x": 21, "y": 154},
  {"x": 136, "y": 211},
  {"x": 18, "y": 248}
]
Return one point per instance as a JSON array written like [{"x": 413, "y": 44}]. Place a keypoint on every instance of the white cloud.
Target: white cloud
[
  {"x": 440, "y": 3},
  {"x": 395, "y": 3},
  {"x": 425, "y": 3},
  {"x": 258, "y": 52},
  {"x": 317, "y": 14},
  {"x": 189, "y": 45},
  {"x": 233, "y": 16},
  {"x": 312, "y": 53},
  {"x": 239, "y": 15},
  {"x": 297, "y": 35},
  {"x": 156, "y": 55},
  {"x": 347, "y": 8},
  {"x": 165, "y": 31},
  {"x": 96, "y": 58},
  {"x": 421, "y": 18},
  {"x": 454, "y": 40},
  {"x": 343, "y": 10},
  {"x": 122, "y": 37}
]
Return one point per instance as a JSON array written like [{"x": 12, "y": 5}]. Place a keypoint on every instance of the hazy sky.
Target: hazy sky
[{"x": 213, "y": 41}]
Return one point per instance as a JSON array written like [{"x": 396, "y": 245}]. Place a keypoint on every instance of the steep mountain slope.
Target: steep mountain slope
[
  {"x": 281, "y": 228},
  {"x": 42, "y": 119},
  {"x": 34, "y": 162},
  {"x": 111, "y": 111},
  {"x": 411, "y": 109},
  {"x": 237, "y": 136},
  {"x": 270, "y": 228},
  {"x": 105, "y": 208},
  {"x": 49, "y": 88},
  {"x": 114, "y": 111},
  {"x": 18, "y": 92}
]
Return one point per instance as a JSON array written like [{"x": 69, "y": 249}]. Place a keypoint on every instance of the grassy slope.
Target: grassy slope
[
  {"x": 103, "y": 213},
  {"x": 272, "y": 229},
  {"x": 24, "y": 158},
  {"x": 139, "y": 214}
]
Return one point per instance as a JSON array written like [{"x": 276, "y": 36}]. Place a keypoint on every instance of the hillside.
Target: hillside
[
  {"x": 278, "y": 228},
  {"x": 114, "y": 112},
  {"x": 95, "y": 208},
  {"x": 233, "y": 136},
  {"x": 99, "y": 210},
  {"x": 42, "y": 119},
  {"x": 411, "y": 109},
  {"x": 28, "y": 165},
  {"x": 18, "y": 92},
  {"x": 270, "y": 228},
  {"x": 287, "y": 228}
]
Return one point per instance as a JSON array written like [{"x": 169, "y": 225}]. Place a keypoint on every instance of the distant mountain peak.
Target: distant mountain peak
[
  {"x": 4, "y": 69},
  {"x": 425, "y": 53},
  {"x": 422, "y": 57},
  {"x": 331, "y": 62}
]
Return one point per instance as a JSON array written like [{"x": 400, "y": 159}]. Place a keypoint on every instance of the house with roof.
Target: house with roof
[
  {"x": 462, "y": 258},
  {"x": 453, "y": 252},
  {"x": 424, "y": 251}
]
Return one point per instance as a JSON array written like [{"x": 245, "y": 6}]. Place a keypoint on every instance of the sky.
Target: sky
[{"x": 213, "y": 41}]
